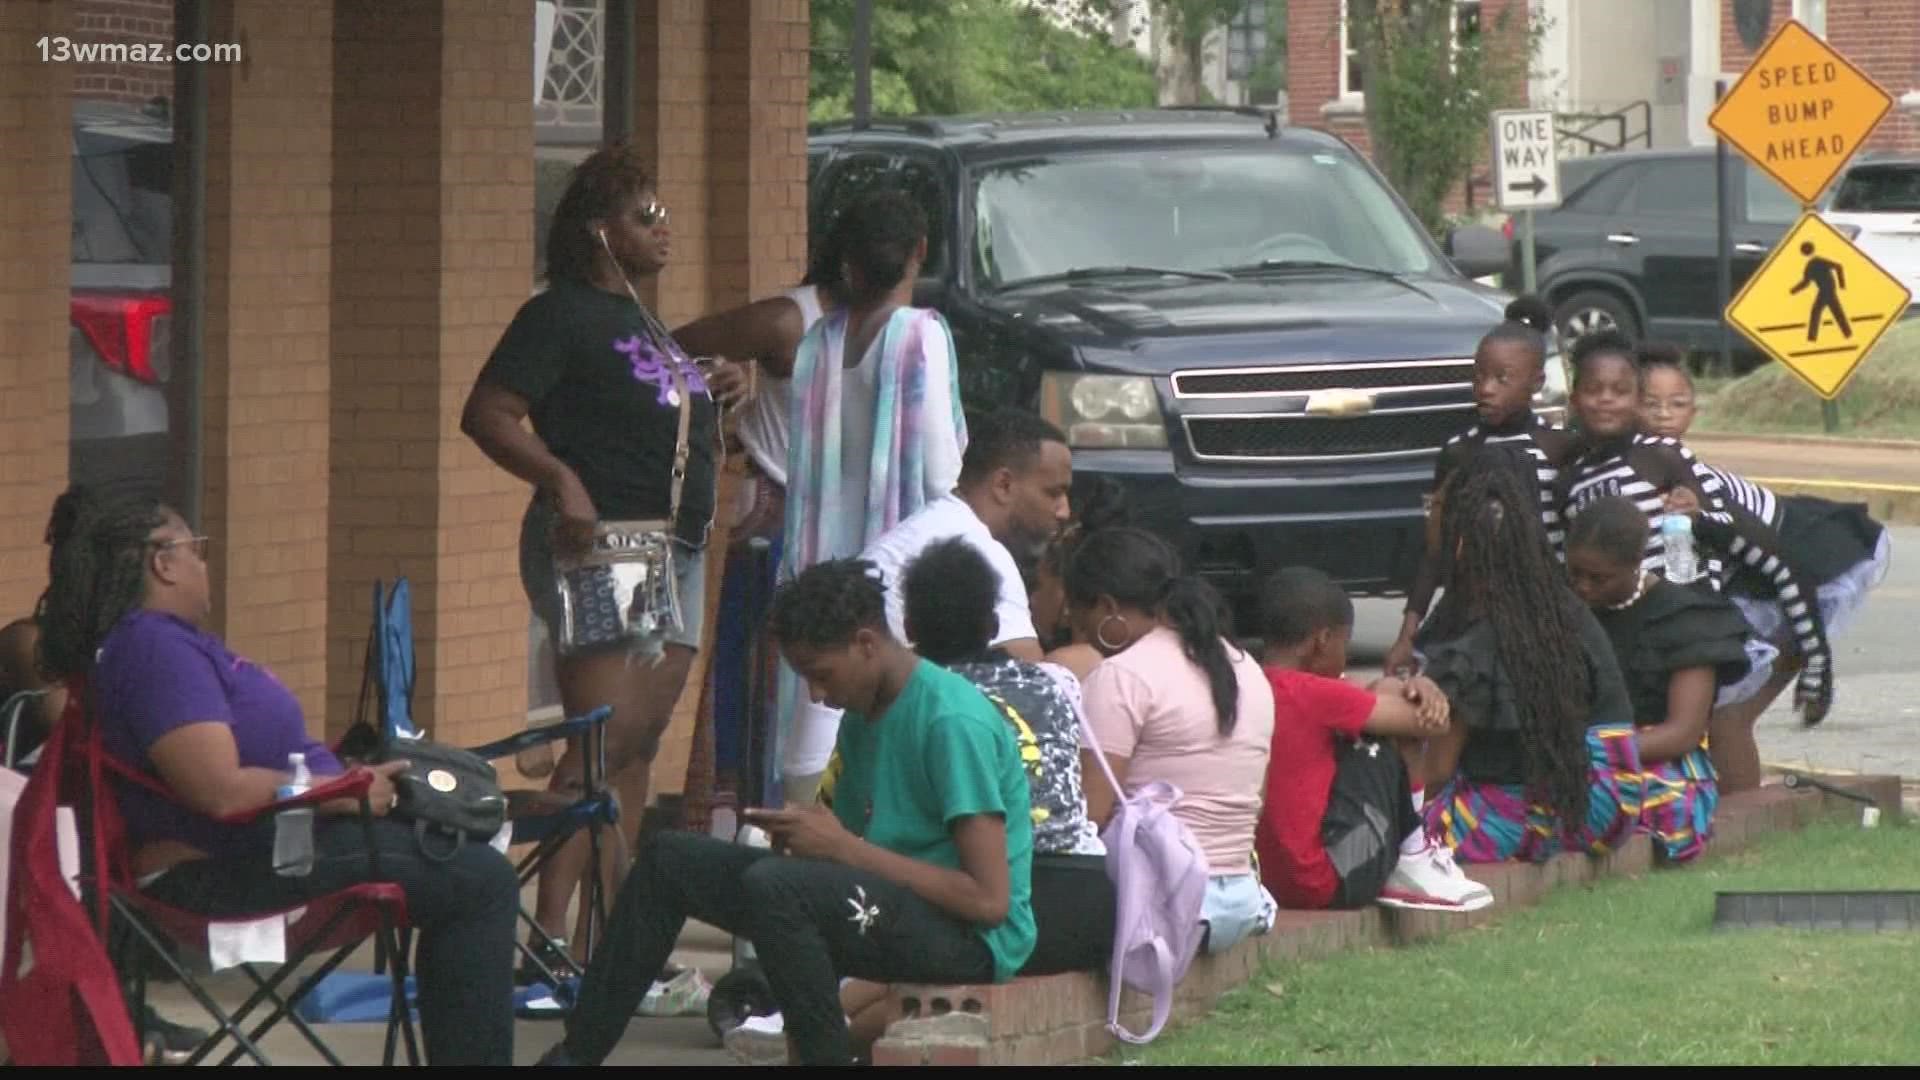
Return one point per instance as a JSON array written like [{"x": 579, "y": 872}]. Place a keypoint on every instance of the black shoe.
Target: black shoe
[
  {"x": 558, "y": 961},
  {"x": 169, "y": 1043}
]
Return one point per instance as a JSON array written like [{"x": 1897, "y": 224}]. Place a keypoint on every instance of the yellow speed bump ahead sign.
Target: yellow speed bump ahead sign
[
  {"x": 1800, "y": 111},
  {"x": 1818, "y": 305}
]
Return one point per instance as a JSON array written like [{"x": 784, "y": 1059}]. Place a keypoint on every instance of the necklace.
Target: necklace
[{"x": 1639, "y": 590}]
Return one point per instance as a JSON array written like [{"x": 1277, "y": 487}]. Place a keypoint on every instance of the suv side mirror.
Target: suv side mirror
[{"x": 1477, "y": 250}]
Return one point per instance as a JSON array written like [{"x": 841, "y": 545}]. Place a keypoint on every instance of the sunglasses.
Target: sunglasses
[{"x": 654, "y": 213}]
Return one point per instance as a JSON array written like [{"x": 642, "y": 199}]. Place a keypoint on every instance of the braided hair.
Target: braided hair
[
  {"x": 1503, "y": 570},
  {"x": 98, "y": 575},
  {"x": 828, "y": 603}
]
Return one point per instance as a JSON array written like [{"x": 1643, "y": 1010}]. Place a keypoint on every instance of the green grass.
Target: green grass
[
  {"x": 1622, "y": 972},
  {"x": 1881, "y": 402}
]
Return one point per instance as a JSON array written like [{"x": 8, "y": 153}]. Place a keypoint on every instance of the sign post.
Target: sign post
[
  {"x": 1818, "y": 304},
  {"x": 1526, "y": 173}
]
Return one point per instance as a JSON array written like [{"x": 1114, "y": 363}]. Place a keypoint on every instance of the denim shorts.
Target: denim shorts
[
  {"x": 542, "y": 588},
  {"x": 1236, "y": 908}
]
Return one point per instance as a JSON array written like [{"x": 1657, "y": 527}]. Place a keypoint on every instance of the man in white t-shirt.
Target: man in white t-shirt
[{"x": 1010, "y": 499}]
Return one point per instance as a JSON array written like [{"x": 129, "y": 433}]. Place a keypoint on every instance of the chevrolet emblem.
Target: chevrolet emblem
[{"x": 1339, "y": 403}]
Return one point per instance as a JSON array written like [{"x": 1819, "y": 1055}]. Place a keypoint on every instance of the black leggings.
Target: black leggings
[
  {"x": 810, "y": 922},
  {"x": 463, "y": 910},
  {"x": 1073, "y": 910}
]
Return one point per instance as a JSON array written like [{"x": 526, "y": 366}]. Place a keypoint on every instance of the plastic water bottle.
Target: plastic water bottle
[
  {"x": 1676, "y": 535},
  {"x": 293, "y": 828}
]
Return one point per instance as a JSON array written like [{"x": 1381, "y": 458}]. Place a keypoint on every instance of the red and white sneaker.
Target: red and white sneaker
[{"x": 1429, "y": 881}]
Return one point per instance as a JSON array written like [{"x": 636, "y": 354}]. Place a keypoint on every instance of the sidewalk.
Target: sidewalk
[{"x": 1884, "y": 474}]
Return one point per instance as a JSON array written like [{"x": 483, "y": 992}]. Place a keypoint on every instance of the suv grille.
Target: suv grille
[
  {"x": 1417, "y": 406},
  {"x": 1260, "y": 382},
  {"x": 1295, "y": 437}
]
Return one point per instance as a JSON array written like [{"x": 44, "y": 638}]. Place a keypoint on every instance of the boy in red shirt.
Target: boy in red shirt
[{"x": 1323, "y": 761}]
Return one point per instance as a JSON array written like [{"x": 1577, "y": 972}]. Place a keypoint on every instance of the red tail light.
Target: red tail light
[
  {"x": 1506, "y": 228},
  {"x": 120, "y": 327}
]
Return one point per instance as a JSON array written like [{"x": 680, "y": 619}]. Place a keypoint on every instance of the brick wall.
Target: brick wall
[
  {"x": 133, "y": 22},
  {"x": 35, "y": 206},
  {"x": 1880, "y": 37},
  {"x": 265, "y": 376},
  {"x": 433, "y": 233}
]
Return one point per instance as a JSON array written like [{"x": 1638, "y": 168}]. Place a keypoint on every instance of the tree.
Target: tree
[
  {"x": 1432, "y": 86},
  {"x": 1186, "y": 25},
  {"x": 961, "y": 56}
]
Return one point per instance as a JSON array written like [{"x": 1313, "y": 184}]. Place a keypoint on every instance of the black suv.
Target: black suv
[
  {"x": 1633, "y": 244},
  {"x": 1240, "y": 322}
]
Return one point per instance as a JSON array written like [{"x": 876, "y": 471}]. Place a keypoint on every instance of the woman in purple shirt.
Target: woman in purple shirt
[{"x": 129, "y": 593}]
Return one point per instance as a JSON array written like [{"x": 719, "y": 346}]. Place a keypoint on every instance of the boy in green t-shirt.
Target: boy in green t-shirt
[{"x": 919, "y": 874}]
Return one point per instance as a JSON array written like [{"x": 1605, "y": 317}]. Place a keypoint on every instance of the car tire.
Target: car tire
[{"x": 1590, "y": 311}]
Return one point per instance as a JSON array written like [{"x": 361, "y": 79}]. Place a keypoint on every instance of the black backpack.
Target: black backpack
[{"x": 1368, "y": 813}]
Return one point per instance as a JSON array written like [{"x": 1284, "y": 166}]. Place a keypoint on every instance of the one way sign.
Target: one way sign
[{"x": 1526, "y": 162}]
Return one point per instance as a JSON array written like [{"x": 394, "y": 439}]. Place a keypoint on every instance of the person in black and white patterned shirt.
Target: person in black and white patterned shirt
[
  {"x": 1509, "y": 368},
  {"x": 1837, "y": 548},
  {"x": 1661, "y": 476}
]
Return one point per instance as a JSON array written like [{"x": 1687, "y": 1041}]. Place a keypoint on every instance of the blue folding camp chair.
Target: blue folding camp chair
[{"x": 386, "y": 707}]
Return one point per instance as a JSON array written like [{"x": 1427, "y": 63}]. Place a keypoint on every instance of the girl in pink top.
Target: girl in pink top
[{"x": 1174, "y": 700}]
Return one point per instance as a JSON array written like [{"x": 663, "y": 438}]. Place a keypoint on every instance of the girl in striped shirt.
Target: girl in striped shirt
[
  {"x": 1837, "y": 548},
  {"x": 1660, "y": 475},
  {"x": 1509, "y": 368}
]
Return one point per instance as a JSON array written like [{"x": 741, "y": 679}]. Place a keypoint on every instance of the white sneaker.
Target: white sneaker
[{"x": 1429, "y": 881}]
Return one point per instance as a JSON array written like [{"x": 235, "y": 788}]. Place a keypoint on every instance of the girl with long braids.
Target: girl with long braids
[
  {"x": 1661, "y": 476},
  {"x": 1676, "y": 647},
  {"x": 1175, "y": 700},
  {"x": 1540, "y": 758},
  {"x": 124, "y": 618}
]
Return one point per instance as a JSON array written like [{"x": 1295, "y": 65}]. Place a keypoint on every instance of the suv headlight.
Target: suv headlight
[{"x": 1104, "y": 411}]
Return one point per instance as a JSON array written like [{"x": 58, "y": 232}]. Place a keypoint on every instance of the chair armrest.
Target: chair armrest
[
  {"x": 352, "y": 784},
  {"x": 569, "y": 728}
]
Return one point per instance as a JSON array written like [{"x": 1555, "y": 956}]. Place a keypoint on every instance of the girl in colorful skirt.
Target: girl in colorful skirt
[
  {"x": 1676, "y": 647},
  {"x": 1541, "y": 756},
  {"x": 1841, "y": 552}
]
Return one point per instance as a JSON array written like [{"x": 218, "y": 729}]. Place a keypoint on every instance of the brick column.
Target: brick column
[
  {"x": 36, "y": 204},
  {"x": 432, "y": 255},
  {"x": 757, "y": 117},
  {"x": 264, "y": 373}
]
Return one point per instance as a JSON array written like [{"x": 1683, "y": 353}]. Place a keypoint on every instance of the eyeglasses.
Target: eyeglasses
[
  {"x": 199, "y": 544},
  {"x": 654, "y": 213}
]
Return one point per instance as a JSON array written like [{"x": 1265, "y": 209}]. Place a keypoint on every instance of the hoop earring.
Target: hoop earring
[{"x": 1100, "y": 634}]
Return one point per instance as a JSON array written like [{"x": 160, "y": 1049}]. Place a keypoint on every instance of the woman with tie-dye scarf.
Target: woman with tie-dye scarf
[{"x": 876, "y": 431}]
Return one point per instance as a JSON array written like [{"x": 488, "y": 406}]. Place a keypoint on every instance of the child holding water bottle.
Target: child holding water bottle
[
  {"x": 1660, "y": 476},
  {"x": 1838, "y": 547}
]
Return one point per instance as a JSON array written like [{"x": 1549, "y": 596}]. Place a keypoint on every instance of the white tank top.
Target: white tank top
[{"x": 763, "y": 425}]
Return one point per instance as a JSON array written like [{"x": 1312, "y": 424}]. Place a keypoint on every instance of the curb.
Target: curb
[
  {"x": 1890, "y": 504},
  {"x": 1710, "y": 437}
]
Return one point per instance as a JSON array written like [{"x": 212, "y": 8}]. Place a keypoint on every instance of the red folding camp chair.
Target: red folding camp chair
[{"x": 331, "y": 926}]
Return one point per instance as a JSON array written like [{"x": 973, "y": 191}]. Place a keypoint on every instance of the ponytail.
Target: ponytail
[
  {"x": 1194, "y": 611},
  {"x": 1137, "y": 569}
]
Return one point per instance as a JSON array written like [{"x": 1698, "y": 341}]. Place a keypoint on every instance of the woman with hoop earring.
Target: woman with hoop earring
[{"x": 1174, "y": 700}]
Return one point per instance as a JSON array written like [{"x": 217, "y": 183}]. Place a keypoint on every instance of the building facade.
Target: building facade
[{"x": 369, "y": 202}]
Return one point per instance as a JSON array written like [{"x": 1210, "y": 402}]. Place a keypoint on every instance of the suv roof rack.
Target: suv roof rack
[
  {"x": 1267, "y": 114},
  {"x": 912, "y": 125}
]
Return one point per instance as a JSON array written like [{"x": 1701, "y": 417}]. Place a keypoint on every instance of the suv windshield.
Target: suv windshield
[
  {"x": 1186, "y": 210},
  {"x": 1880, "y": 189}
]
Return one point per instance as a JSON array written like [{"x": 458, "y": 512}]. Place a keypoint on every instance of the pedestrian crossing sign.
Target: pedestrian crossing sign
[{"x": 1818, "y": 305}]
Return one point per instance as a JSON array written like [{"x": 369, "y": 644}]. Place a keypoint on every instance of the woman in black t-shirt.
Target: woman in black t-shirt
[{"x": 602, "y": 382}]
